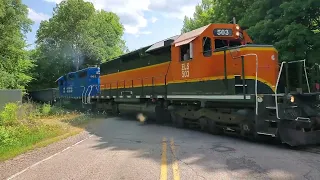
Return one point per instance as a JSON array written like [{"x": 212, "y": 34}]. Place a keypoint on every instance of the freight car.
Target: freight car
[
  {"x": 50, "y": 95},
  {"x": 216, "y": 78}
]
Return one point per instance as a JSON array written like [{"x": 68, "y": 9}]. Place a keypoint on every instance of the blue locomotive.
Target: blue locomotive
[{"x": 83, "y": 84}]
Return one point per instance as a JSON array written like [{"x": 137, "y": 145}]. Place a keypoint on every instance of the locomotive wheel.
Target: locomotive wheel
[
  {"x": 177, "y": 120},
  {"x": 204, "y": 124},
  {"x": 246, "y": 129},
  {"x": 213, "y": 129}
]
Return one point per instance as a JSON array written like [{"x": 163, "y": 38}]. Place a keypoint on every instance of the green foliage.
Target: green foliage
[
  {"x": 46, "y": 109},
  {"x": 77, "y": 36},
  {"x": 78, "y": 120},
  {"x": 15, "y": 122},
  {"x": 8, "y": 117},
  {"x": 291, "y": 26},
  {"x": 27, "y": 113},
  {"x": 18, "y": 139},
  {"x": 8, "y": 135},
  {"x": 21, "y": 126},
  {"x": 15, "y": 64}
]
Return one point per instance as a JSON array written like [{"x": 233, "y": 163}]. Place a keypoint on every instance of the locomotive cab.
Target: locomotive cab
[{"x": 214, "y": 52}]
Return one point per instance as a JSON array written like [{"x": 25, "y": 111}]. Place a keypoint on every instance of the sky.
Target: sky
[{"x": 145, "y": 21}]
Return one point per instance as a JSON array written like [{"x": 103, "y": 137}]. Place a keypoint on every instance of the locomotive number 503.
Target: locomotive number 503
[{"x": 185, "y": 70}]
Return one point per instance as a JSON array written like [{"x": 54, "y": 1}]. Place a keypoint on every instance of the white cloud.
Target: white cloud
[
  {"x": 153, "y": 19},
  {"x": 142, "y": 33},
  {"x": 37, "y": 17},
  {"x": 174, "y": 8},
  {"x": 131, "y": 12},
  {"x": 55, "y": 1}
]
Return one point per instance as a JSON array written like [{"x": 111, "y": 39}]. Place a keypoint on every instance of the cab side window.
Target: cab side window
[
  {"x": 207, "y": 48},
  {"x": 185, "y": 52},
  {"x": 83, "y": 74}
]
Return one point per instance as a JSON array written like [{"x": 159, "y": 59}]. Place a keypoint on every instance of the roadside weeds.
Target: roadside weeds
[{"x": 25, "y": 127}]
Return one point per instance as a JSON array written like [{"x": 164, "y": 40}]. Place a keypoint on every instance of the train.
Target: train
[
  {"x": 49, "y": 95},
  {"x": 213, "y": 77}
]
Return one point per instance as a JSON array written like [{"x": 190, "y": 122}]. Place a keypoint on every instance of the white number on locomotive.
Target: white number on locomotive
[
  {"x": 185, "y": 70},
  {"x": 222, "y": 32}
]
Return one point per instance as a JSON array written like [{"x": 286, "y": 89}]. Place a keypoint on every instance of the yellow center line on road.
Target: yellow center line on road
[
  {"x": 163, "y": 175},
  {"x": 175, "y": 165}
]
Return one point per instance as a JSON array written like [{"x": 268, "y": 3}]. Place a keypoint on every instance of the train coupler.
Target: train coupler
[{"x": 300, "y": 132}]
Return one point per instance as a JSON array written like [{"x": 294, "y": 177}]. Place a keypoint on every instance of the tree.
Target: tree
[
  {"x": 77, "y": 36},
  {"x": 291, "y": 26},
  {"x": 216, "y": 11},
  {"x": 15, "y": 64},
  {"x": 203, "y": 15}
]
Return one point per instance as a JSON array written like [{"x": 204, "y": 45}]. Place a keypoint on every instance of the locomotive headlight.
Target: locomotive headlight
[
  {"x": 237, "y": 33},
  {"x": 291, "y": 98},
  {"x": 237, "y": 27}
]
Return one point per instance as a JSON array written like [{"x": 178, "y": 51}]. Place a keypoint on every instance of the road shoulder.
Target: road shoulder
[{"x": 19, "y": 163}]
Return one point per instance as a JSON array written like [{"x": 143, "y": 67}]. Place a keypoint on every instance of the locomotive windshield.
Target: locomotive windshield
[
  {"x": 220, "y": 43},
  {"x": 228, "y": 37}
]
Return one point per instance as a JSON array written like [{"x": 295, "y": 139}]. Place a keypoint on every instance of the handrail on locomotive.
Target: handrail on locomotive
[
  {"x": 256, "y": 74},
  {"x": 278, "y": 79}
]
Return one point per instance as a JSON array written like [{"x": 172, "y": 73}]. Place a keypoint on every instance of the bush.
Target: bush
[
  {"x": 57, "y": 111},
  {"x": 46, "y": 109},
  {"x": 27, "y": 113},
  {"x": 9, "y": 117},
  {"x": 21, "y": 127},
  {"x": 8, "y": 136}
]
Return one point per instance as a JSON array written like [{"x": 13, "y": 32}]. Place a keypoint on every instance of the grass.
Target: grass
[{"x": 27, "y": 126}]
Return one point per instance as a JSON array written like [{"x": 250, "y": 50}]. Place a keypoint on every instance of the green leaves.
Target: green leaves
[
  {"x": 15, "y": 65},
  {"x": 291, "y": 26},
  {"x": 76, "y": 33}
]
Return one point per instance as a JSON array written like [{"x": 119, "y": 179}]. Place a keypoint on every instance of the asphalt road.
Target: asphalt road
[{"x": 115, "y": 149}]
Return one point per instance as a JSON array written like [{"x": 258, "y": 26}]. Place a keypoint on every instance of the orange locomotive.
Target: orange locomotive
[{"x": 213, "y": 77}]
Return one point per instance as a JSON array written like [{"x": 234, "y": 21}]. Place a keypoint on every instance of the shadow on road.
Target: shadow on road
[{"x": 201, "y": 152}]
